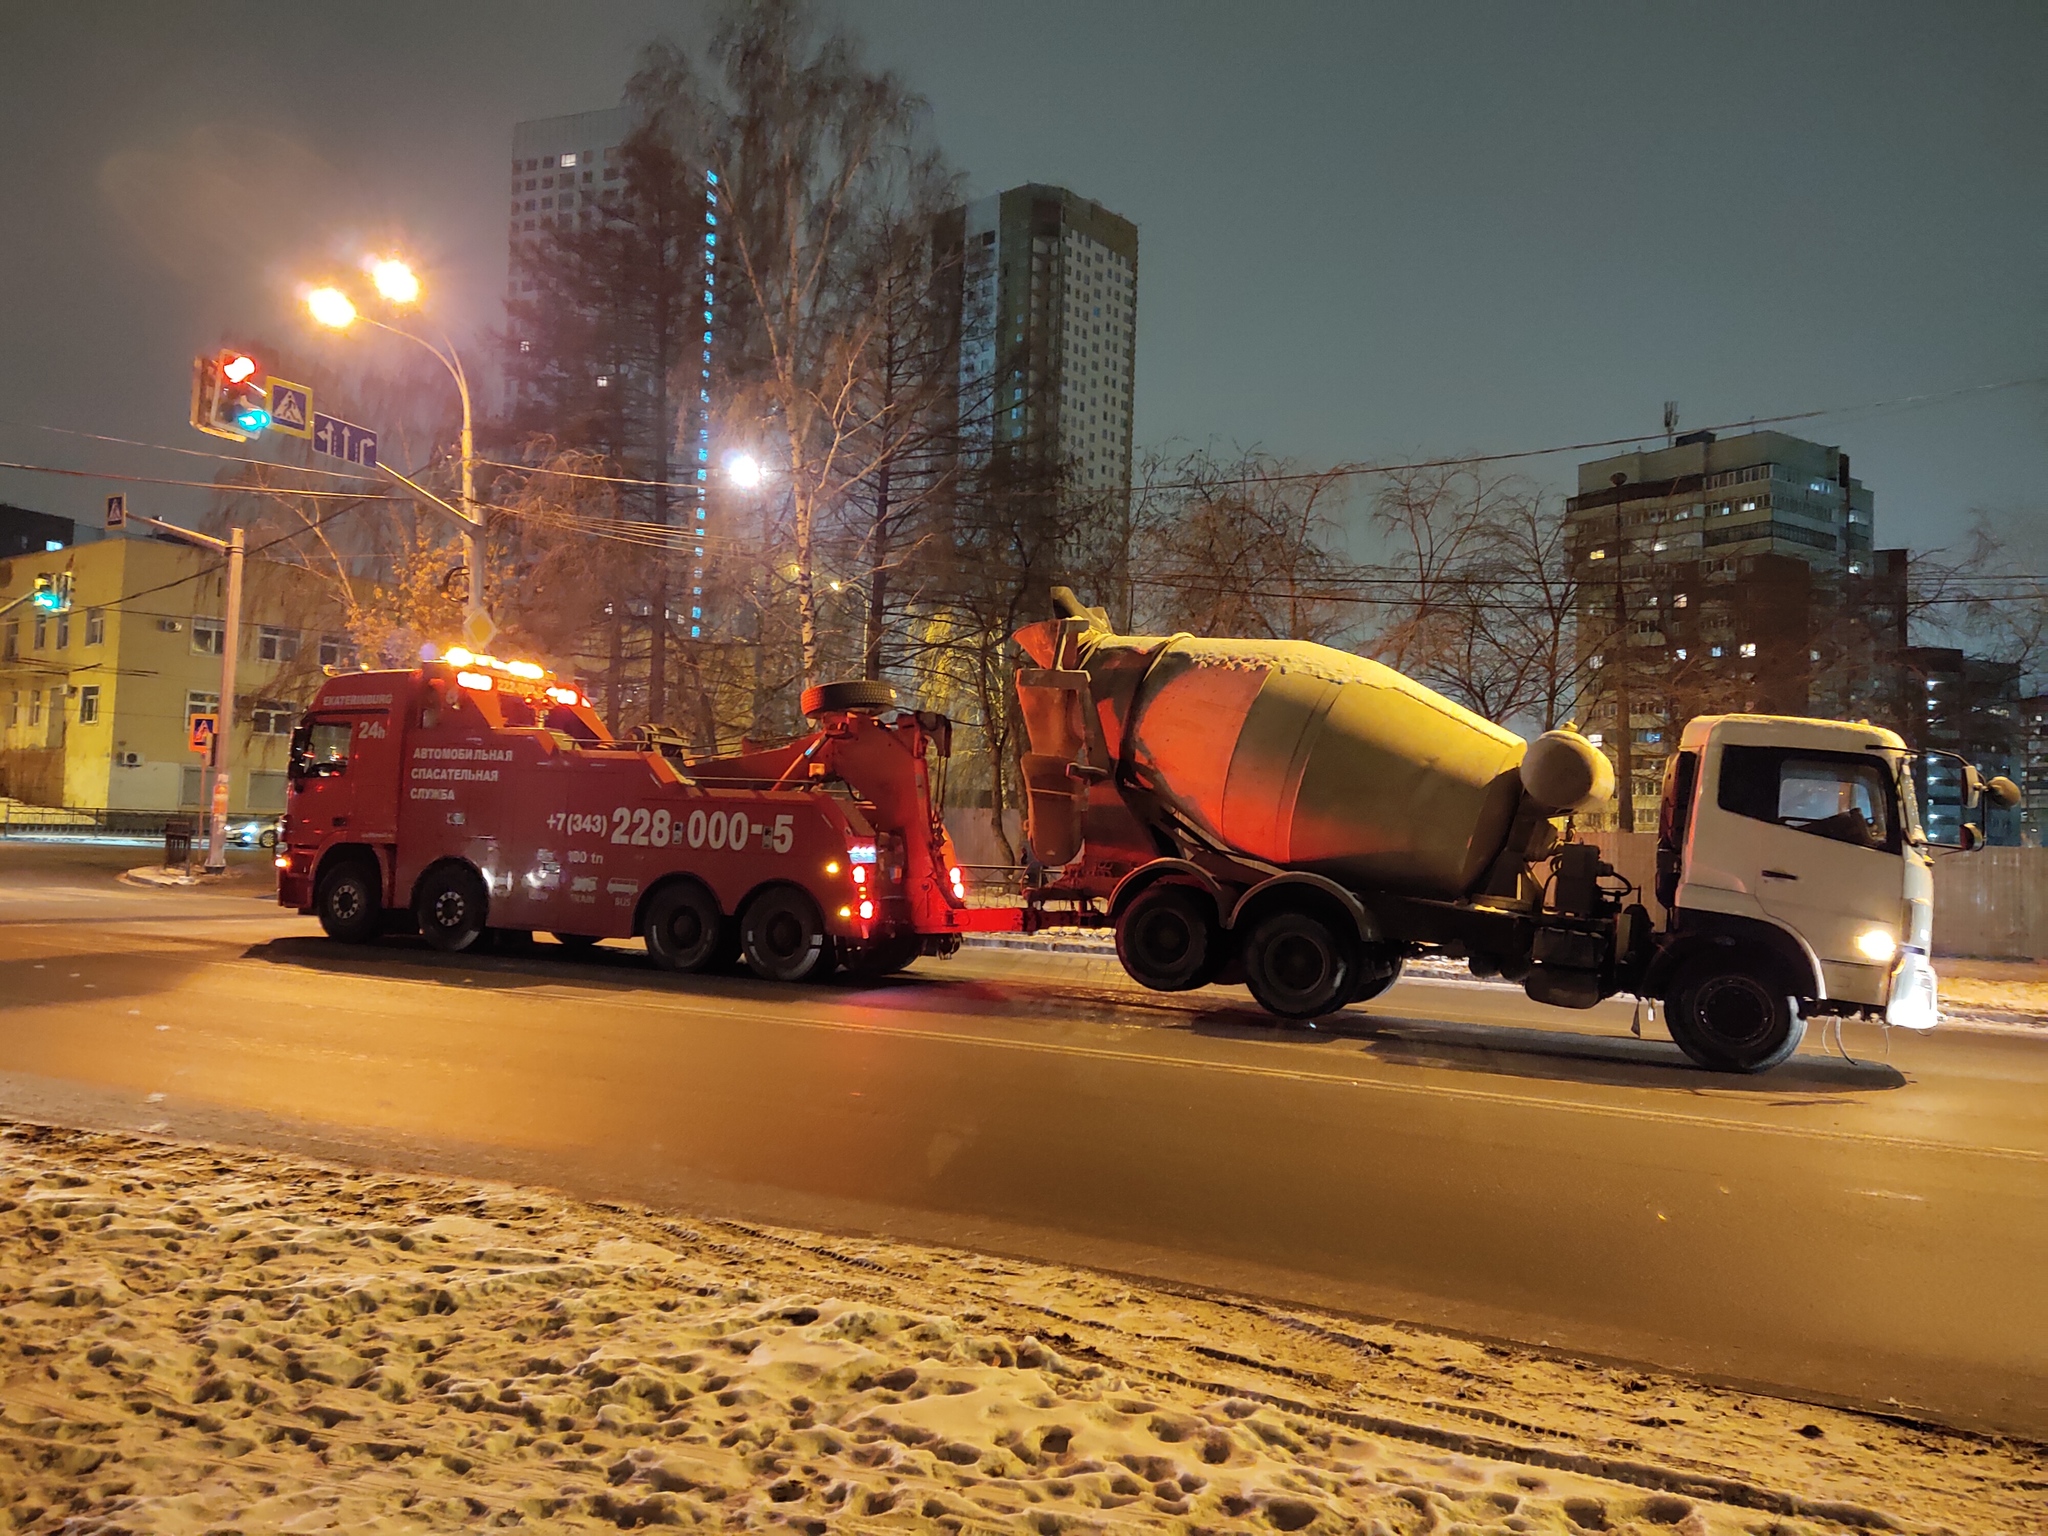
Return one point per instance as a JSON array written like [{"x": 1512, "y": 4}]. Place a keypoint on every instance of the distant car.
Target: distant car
[{"x": 259, "y": 832}]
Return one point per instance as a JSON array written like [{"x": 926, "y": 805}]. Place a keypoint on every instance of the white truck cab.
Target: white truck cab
[{"x": 1798, "y": 881}]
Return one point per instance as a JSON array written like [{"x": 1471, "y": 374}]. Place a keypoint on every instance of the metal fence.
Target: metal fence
[{"x": 51, "y": 821}]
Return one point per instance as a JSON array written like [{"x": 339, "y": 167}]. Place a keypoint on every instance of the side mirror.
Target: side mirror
[
  {"x": 1973, "y": 783},
  {"x": 1973, "y": 837},
  {"x": 2002, "y": 792}
]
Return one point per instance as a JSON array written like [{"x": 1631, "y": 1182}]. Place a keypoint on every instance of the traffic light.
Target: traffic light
[
  {"x": 227, "y": 400},
  {"x": 53, "y": 593}
]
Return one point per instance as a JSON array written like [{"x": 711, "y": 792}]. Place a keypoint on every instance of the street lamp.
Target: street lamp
[
  {"x": 744, "y": 471},
  {"x": 399, "y": 286}
]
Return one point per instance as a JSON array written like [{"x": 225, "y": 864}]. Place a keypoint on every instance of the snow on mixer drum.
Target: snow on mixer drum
[{"x": 1313, "y": 758}]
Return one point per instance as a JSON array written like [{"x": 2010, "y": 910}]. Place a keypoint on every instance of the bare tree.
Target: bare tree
[{"x": 822, "y": 160}]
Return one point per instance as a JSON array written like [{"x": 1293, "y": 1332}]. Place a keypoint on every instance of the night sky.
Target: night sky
[{"x": 1366, "y": 232}]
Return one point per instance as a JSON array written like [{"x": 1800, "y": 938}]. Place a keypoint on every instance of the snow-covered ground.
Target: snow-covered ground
[{"x": 205, "y": 1340}]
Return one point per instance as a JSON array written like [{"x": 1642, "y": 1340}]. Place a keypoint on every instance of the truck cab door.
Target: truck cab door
[
  {"x": 340, "y": 778},
  {"x": 1814, "y": 836}
]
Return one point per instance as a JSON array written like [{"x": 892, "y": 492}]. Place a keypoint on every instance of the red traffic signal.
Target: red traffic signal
[{"x": 226, "y": 399}]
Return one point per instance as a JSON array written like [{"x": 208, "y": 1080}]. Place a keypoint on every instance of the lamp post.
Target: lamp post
[{"x": 399, "y": 286}]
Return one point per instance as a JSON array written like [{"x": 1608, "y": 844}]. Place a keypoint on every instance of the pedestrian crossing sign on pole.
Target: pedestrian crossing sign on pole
[
  {"x": 203, "y": 728},
  {"x": 291, "y": 408}
]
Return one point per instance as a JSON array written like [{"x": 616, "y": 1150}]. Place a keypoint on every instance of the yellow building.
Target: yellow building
[{"x": 96, "y": 703}]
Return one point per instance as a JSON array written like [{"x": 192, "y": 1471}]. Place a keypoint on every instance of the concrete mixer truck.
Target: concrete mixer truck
[{"x": 1302, "y": 820}]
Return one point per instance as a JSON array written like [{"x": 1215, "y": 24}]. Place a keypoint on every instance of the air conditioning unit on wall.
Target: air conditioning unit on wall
[
  {"x": 128, "y": 759},
  {"x": 170, "y": 626}
]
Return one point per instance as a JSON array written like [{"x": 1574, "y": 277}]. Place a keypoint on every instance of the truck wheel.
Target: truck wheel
[
  {"x": 784, "y": 938},
  {"x": 884, "y": 957},
  {"x": 350, "y": 901},
  {"x": 1732, "y": 1020},
  {"x": 683, "y": 927},
  {"x": 1167, "y": 940},
  {"x": 451, "y": 905},
  {"x": 1377, "y": 971},
  {"x": 1296, "y": 967}
]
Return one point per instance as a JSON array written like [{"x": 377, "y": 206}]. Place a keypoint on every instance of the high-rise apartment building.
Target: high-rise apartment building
[
  {"x": 561, "y": 168},
  {"x": 1049, "y": 328},
  {"x": 1714, "y": 575},
  {"x": 566, "y": 172}
]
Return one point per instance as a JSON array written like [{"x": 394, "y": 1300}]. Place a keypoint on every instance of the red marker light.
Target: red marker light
[
  {"x": 238, "y": 368},
  {"x": 867, "y": 910},
  {"x": 860, "y": 874}
]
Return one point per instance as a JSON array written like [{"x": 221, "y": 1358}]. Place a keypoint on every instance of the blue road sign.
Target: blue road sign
[
  {"x": 291, "y": 408},
  {"x": 340, "y": 439}
]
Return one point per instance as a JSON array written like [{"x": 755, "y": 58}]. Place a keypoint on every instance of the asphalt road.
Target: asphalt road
[{"x": 1874, "y": 1232}]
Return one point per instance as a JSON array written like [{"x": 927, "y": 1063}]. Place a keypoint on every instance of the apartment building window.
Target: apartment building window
[
  {"x": 42, "y": 632},
  {"x": 336, "y": 651},
  {"x": 10, "y": 644},
  {"x": 274, "y": 644},
  {"x": 63, "y": 631},
  {"x": 270, "y": 718},
  {"x": 95, "y": 626},
  {"x": 14, "y": 708},
  {"x": 35, "y": 707},
  {"x": 198, "y": 703},
  {"x": 88, "y": 704},
  {"x": 209, "y": 636}
]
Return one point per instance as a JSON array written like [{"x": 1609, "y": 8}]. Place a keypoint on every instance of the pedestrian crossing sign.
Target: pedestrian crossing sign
[
  {"x": 203, "y": 728},
  {"x": 291, "y": 408}
]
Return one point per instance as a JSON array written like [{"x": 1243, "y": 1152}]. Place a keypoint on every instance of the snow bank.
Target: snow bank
[{"x": 199, "y": 1340}]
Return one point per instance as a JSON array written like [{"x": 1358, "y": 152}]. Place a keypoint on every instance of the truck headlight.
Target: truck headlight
[{"x": 1876, "y": 944}]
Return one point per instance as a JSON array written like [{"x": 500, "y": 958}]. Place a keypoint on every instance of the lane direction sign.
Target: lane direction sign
[{"x": 344, "y": 440}]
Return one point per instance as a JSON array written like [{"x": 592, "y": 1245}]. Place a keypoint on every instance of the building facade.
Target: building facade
[
  {"x": 1973, "y": 708},
  {"x": 566, "y": 172},
  {"x": 1048, "y": 329},
  {"x": 1717, "y": 575},
  {"x": 96, "y": 704},
  {"x": 561, "y": 169},
  {"x": 23, "y": 532}
]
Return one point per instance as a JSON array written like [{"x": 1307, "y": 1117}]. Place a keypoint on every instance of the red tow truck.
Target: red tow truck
[{"x": 480, "y": 798}]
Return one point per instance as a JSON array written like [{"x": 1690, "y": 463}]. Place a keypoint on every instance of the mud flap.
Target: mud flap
[{"x": 1913, "y": 1002}]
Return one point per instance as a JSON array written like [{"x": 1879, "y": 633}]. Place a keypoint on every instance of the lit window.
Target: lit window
[
  {"x": 1749, "y": 650},
  {"x": 567, "y": 161},
  {"x": 1714, "y": 650},
  {"x": 1681, "y": 653},
  {"x": 1598, "y": 554},
  {"x": 209, "y": 636},
  {"x": 1679, "y": 601},
  {"x": 95, "y": 626}
]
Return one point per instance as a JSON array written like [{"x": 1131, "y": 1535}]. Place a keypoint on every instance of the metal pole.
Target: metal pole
[
  {"x": 1623, "y": 660},
  {"x": 472, "y": 541},
  {"x": 224, "y": 725}
]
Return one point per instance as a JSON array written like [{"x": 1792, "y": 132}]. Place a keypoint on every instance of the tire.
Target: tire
[
  {"x": 1377, "y": 971},
  {"x": 451, "y": 906},
  {"x": 1168, "y": 940},
  {"x": 1728, "y": 1019},
  {"x": 684, "y": 928},
  {"x": 581, "y": 943},
  {"x": 783, "y": 938},
  {"x": 884, "y": 957},
  {"x": 859, "y": 693},
  {"x": 1297, "y": 967},
  {"x": 267, "y": 838},
  {"x": 350, "y": 901}
]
